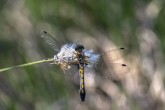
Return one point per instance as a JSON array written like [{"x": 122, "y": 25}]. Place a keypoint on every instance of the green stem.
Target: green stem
[{"x": 27, "y": 64}]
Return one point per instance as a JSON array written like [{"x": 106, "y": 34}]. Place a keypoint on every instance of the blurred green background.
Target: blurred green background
[{"x": 138, "y": 25}]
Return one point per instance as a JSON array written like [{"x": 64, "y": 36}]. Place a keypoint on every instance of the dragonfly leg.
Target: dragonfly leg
[{"x": 64, "y": 67}]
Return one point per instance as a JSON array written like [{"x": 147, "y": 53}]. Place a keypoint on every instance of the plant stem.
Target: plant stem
[{"x": 27, "y": 64}]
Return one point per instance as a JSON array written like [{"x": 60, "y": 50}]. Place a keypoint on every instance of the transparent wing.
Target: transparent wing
[
  {"x": 115, "y": 54},
  {"x": 51, "y": 40},
  {"x": 104, "y": 68},
  {"x": 73, "y": 71},
  {"x": 111, "y": 70}
]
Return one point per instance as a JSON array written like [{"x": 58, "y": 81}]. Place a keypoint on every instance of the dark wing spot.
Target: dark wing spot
[
  {"x": 123, "y": 65},
  {"x": 45, "y": 32},
  {"x": 121, "y": 48}
]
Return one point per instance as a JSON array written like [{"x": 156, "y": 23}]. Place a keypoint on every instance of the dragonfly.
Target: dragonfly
[{"x": 75, "y": 58}]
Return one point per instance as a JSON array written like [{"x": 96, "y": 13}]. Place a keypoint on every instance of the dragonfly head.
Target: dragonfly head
[{"x": 79, "y": 48}]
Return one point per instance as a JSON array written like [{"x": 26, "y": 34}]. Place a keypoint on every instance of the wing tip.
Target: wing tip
[
  {"x": 123, "y": 65},
  {"x": 43, "y": 32},
  {"x": 122, "y": 48}
]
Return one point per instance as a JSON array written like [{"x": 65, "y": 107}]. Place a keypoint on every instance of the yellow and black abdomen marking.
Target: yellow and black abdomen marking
[
  {"x": 81, "y": 62},
  {"x": 82, "y": 82}
]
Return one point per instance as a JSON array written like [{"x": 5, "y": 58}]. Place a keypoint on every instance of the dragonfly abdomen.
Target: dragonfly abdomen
[{"x": 82, "y": 83}]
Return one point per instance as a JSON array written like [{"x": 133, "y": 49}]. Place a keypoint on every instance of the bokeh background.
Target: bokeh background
[{"x": 138, "y": 25}]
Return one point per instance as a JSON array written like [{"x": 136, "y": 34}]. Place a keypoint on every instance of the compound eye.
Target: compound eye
[{"x": 79, "y": 48}]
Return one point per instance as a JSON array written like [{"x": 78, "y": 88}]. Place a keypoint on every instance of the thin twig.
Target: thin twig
[{"x": 27, "y": 64}]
